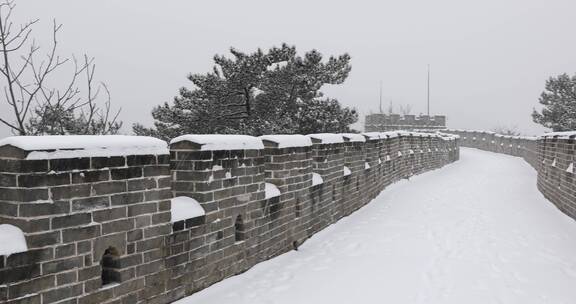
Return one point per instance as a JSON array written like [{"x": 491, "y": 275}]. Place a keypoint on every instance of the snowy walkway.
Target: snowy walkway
[{"x": 477, "y": 231}]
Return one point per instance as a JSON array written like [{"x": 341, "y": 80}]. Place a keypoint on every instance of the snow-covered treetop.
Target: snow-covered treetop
[
  {"x": 353, "y": 137},
  {"x": 326, "y": 138},
  {"x": 74, "y": 146},
  {"x": 287, "y": 141},
  {"x": 212, "y": 142}
]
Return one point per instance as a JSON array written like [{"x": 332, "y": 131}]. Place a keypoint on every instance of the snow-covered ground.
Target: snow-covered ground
[{"x": 476, "y": 231}]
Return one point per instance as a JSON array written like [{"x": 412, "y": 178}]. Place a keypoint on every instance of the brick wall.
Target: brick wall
[
  {"x": 551, "y": 155},
  {"x": 85, "y": 217},
  {"x": 71, "y": 211},
  {"x": 389, "y": 122}
]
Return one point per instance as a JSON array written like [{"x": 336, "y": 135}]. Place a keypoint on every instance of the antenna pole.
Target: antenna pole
[
  {"x": 428, "y": 92},
  {"x": 381, "y": 97}
]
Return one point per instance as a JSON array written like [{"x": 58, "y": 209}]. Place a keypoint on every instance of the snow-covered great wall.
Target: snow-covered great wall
[
  {"x": 122, "y": 219},
  {"x": 552, "y": 155}
]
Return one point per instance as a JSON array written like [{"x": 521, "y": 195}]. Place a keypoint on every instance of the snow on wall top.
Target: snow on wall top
[
  {"x": 353, "y": 137},
  {"x": 421, "y": 134},
  {"x": 447, "y": 136},
  {"x": 327, "y": 138},
  {"x": 372, "y": 135},
  {"x": 561, "y": 135},
  {"x": 184, "y": 208},
  {"x": 397, "y": 133},
  {"x": 12, "y": 240},
  {"x": 74, "y": 146},
  {"x": 211, "y": 142},
  {"x": 288, "y": 141},
  {"x": 462, "y": 130},
  {"x": 502, "y": 136},
  {"x": 391, "y": 134}
]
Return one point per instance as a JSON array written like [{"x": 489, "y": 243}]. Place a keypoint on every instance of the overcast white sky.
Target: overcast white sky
[{"x": 489, "y": 58}]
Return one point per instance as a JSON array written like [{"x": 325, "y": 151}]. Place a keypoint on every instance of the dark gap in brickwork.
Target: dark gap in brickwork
[
  {"x": 333, "y": 193},
  {"x": 110, "y": 266},
  {"x": 239, "y": 233},
  {"x": 298, "y": 208},
  {"x": 275, "y": 208}
]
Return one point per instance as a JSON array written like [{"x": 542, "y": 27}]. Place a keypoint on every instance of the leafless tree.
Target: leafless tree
[
  {"x": 506, "y": 130},
  {"x": 390, "y": 108},
  {"x": 405, "y": 109},
  {"x": 37, "y": 107}
]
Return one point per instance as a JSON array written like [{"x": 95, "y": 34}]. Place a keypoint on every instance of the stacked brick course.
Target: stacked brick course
[
  {"x": 99, "y": 229},
  {"x": 525, "y": 147},
  {"x": 392, "y": 122},
  {"x": 290, "y": 169},
  {"x": 355, "y": 161},
  {"x": 72, "y": 210}
]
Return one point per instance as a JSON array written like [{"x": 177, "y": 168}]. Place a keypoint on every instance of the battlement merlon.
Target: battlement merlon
[{"x": 50, "y": 185}]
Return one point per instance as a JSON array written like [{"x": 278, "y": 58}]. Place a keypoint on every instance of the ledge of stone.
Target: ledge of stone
[
  {"x": 286, "y": 141},
  {"x": 78, "y": 146},
  {"x": 215, "y": 142}
]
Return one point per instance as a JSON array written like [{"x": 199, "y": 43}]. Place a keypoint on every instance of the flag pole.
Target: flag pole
[
  {"x": 381, "y": 112},
  {"x": 428, "y": 92}
]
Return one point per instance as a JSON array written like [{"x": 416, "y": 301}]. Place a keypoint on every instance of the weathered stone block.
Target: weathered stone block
[
  {"x": 109, "y": 187},
  {"x": 79, "y": 234},
  {"x": 60, "y": 165},
  {"x": 61, "y": 265},
  {"x": 68, "y": 192},
  {"x": 78, "y": 219},
  {"x": 62, "y": 293},
  {"x": 108, "y": 162}
]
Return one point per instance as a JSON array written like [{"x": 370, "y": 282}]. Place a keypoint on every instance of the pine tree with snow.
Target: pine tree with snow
[
  {"x": 258, "y": 93},
  {"x": 324, "y": 116},
  {"x": 559, "y": 101}
]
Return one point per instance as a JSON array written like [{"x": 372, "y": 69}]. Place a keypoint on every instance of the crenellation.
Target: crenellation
[
  {"x": 100, "y": 219},
  {"x": 390, "y": 122}
]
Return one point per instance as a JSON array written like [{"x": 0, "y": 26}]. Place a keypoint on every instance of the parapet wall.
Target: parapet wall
[
  {"x": 390, "y": 122},
  {"x": 99, "y": 213},
  {"x": 552, "y": 155}
]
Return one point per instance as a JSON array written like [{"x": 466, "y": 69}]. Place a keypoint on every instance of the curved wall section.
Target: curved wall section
[{"x": 552, "y": 155}]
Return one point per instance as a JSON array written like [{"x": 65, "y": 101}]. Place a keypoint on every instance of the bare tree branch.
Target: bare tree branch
[{"x": 36, "y": 107}]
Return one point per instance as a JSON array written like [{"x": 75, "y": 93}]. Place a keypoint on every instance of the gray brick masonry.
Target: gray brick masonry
[{"x": 99, "y": 229}]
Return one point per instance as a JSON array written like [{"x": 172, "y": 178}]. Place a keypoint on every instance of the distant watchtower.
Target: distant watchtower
[{"x": 390, "y": 122}]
